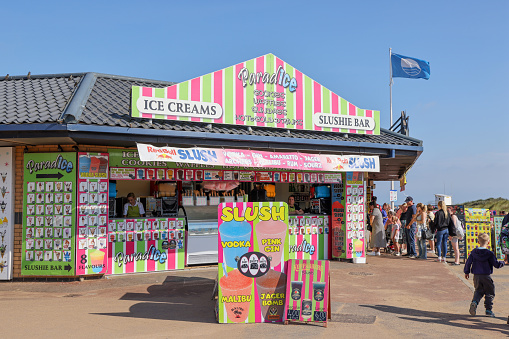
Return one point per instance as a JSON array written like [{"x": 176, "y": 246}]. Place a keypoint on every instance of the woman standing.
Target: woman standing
[
  {"x": 443, "y": 227},
  {"x": 420, "y": 219},
  {"x": 455, "y": 240},
  {"x": 378, "y": 230},
  {"x": 429, "y": 223}
]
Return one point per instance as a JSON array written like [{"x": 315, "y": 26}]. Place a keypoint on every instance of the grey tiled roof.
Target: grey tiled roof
[
  {"x": 43, "y": 99},
  {"x": 35, "y": 100}
]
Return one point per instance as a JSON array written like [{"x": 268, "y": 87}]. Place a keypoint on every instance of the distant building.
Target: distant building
[{"x": 442, "y": 197}]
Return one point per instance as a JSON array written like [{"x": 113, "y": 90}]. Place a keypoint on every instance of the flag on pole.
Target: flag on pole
[{"x": 406, "y": 67}]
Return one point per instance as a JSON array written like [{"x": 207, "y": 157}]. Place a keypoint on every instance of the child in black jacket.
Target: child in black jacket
[{"x": 481, "y": 262}]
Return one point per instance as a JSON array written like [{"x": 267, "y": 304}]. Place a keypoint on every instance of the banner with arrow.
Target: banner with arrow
[{"x": 49, "y": 214}]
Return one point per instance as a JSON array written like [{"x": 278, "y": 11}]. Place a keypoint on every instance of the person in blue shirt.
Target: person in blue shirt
[
  {"x": 481, "y": 262},
  {"x": 411, "y": 228}
]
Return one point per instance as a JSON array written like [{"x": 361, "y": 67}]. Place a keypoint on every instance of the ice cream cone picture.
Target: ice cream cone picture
[
  {"x": 92, "y": 231},
  {"x": 83, "y": 186},
  {"x": 57, "y": 256},
  {"x": 39, "y": 233},
  {"x": 40, "y": 187},
  {"x": 31, "y": 187},
  {"x": 38, "y": 244},
  {"x": 40, "y": 198},
  {"x": 4, "y": 176},
  {"x": 67, "y": 198},
  {"x": 68, "y": 186},
  {"x": 67, "y": 245},
  {"x": 3, "y": 264},
  {"x": 30, "y": 244},
  {"x": 83, "y": 232},
  {"x": 30, "y": 232},
  {"x": 30, "y": 198},
  {"x": 49, "y": 186},
  {"x": 58, "y": 244},
  {"x": 102, "y": 244},
  {"x": 47, "y": 256},
  {"x": 67, "y": 221},
  {"x": 83, "y": 198},
  {"x": 49, "y": 221},
  {"x": 58, "y": 187},
  {"x": 83, "y": 244},
  {"x": 139, "y": 225},
  {"x": 38, "y": 221},
  {"x": 102, "y": 222},
  {"x": 103, "y": 186},
  {"x": 67, "y": 209},
  {"x": 40, "y": 209},
  {"x": 3, "y": 247},
  {"x": 103, "y": 209},
  {"x": 48, "y": 244},
  {"x": 59, "y": 197},
  {"x": 29, "y": 256},
  {"x": 49, "y": 233},
  {"x": 3, "y": 190},
  {"x": 93, "y": 186}
]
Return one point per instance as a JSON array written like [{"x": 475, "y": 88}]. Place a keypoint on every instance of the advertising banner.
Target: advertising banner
[
  {"x": 309, "y": 237},
  {"x": 49, "y": 214},
  {"x": 259, "y": 159},
  {"x": 355, "y": 216},
  {"x": 252, "y": 251},
  {"x": 477, "y": 222},
  {"x": 7, "y": 176},
  {"x": 93, "y": 185},
  {"x": 337, "y": 221},
  {"x": 265, "y": 92},
  {"x": 146, "y": 245},
  {"x": 307, "y": 290}
]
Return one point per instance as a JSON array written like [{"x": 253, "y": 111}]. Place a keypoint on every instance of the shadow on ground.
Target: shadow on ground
[
  {"x": 177, "y": 298},
  {"x": 455, "y": 320}
]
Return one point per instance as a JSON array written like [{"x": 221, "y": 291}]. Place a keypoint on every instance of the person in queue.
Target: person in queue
[
  {"x": 400, "y": 214},
  {"x": 420, "y": 219},
  {"x": 410, "y": 228},
  {"x": 293, "y": 208},
  {"x": 429, "y": 223},
  {"x": 133, "y": 208},
  {"x": 378, "y": 230},
  {"x": 444, "y": 227}
]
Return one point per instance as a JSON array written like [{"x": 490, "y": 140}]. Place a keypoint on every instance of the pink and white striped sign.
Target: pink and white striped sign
[{"x": 264, "y": 91}]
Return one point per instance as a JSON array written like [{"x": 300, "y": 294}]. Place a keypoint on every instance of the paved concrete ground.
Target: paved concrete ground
[{"x": 389, "y": 296}]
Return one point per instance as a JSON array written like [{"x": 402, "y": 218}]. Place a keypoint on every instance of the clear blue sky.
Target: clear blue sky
[{"x": 461, "y": 113}]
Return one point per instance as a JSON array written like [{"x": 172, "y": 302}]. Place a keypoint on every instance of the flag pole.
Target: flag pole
[{"x": 390, "y": 100}]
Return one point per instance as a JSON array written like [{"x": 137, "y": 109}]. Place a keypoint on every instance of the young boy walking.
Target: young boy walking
[{"x": 481, "y": 262}]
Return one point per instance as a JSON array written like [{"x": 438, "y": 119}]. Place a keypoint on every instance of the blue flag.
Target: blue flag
[{"x": 406, "y": 67}]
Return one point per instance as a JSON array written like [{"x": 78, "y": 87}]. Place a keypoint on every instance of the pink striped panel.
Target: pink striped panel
[
  {"x": 195, "y": 93},
  {"x": 170, "y": 262},
  {"x": 147, "y": 92},
  {"x": 279, "y": 62},
  {"x": 317, "y": 98},
  {"x": 299, "y": 100},
  {"x": 260, "y": 67},
  {"x": 171, "y": 93},
  {"x": 239, "y": 97},
  {"x": 218, "y": 92},
  {"x": 110, "y": 256},
  {"x": 352, "y": 111}
]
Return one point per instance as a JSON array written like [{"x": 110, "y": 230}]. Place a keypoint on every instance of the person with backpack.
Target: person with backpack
[
  {"x": 444, "y": 227},
  {"x": 455, "y": 239}
]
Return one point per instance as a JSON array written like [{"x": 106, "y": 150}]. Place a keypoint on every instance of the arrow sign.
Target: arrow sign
[
  {"x": 68, "y": 268},
  {"x": 50, "y": 176}
]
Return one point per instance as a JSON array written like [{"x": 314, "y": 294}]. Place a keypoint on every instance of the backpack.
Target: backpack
[{"x": 460, "y": 233}]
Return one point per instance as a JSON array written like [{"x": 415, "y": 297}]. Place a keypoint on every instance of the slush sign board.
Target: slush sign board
[{"x": 265, "y": 91}]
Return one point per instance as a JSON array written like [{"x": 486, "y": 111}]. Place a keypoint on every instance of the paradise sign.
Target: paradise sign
[{"x": 252, "y": 250}]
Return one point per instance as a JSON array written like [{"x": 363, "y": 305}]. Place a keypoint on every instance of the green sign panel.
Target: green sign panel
[{"x": 49, "y": 214}]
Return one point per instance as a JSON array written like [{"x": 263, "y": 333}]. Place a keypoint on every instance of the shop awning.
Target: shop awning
[{"x": 260, "y": 159}]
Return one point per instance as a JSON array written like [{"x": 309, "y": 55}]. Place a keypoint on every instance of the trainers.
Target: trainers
[
  {"x": 377, "y": 253},
  {"x": 489, "y": 313},
  {"x": 398, "y": 255},
  {"x": 473, "y": 308},
  {"x": 411, "y": 256},
  {"x": 371, "y": 253},
  {"x": 439, "y": 259}
]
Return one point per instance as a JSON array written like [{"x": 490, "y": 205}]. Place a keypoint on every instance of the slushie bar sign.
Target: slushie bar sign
[
  {"x": 264, "y": 91},
  {"x": 253, "y": 248}
]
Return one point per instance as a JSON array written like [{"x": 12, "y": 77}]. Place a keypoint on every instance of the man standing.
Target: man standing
[{"x": 410, "y": 228}]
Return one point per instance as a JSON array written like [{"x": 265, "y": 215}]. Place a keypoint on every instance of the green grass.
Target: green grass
[{"x": 496, "y": 204}]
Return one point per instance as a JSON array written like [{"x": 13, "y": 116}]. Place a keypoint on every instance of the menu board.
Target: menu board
[
  {"x": 355, "y": 205},
  {"x": 309, "y": 237},
  {"x": 252, "y": 251},
  {"x": 49, "y": 214},
  {"x": 477, "y": 222},
  {"x": 146, "y": 245},
  {"x": 337, "y": 221},
  {"x": 92, "y": 213},
  {"x": 308, "y": 291},
  {"x": 7, "y": 176}
]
